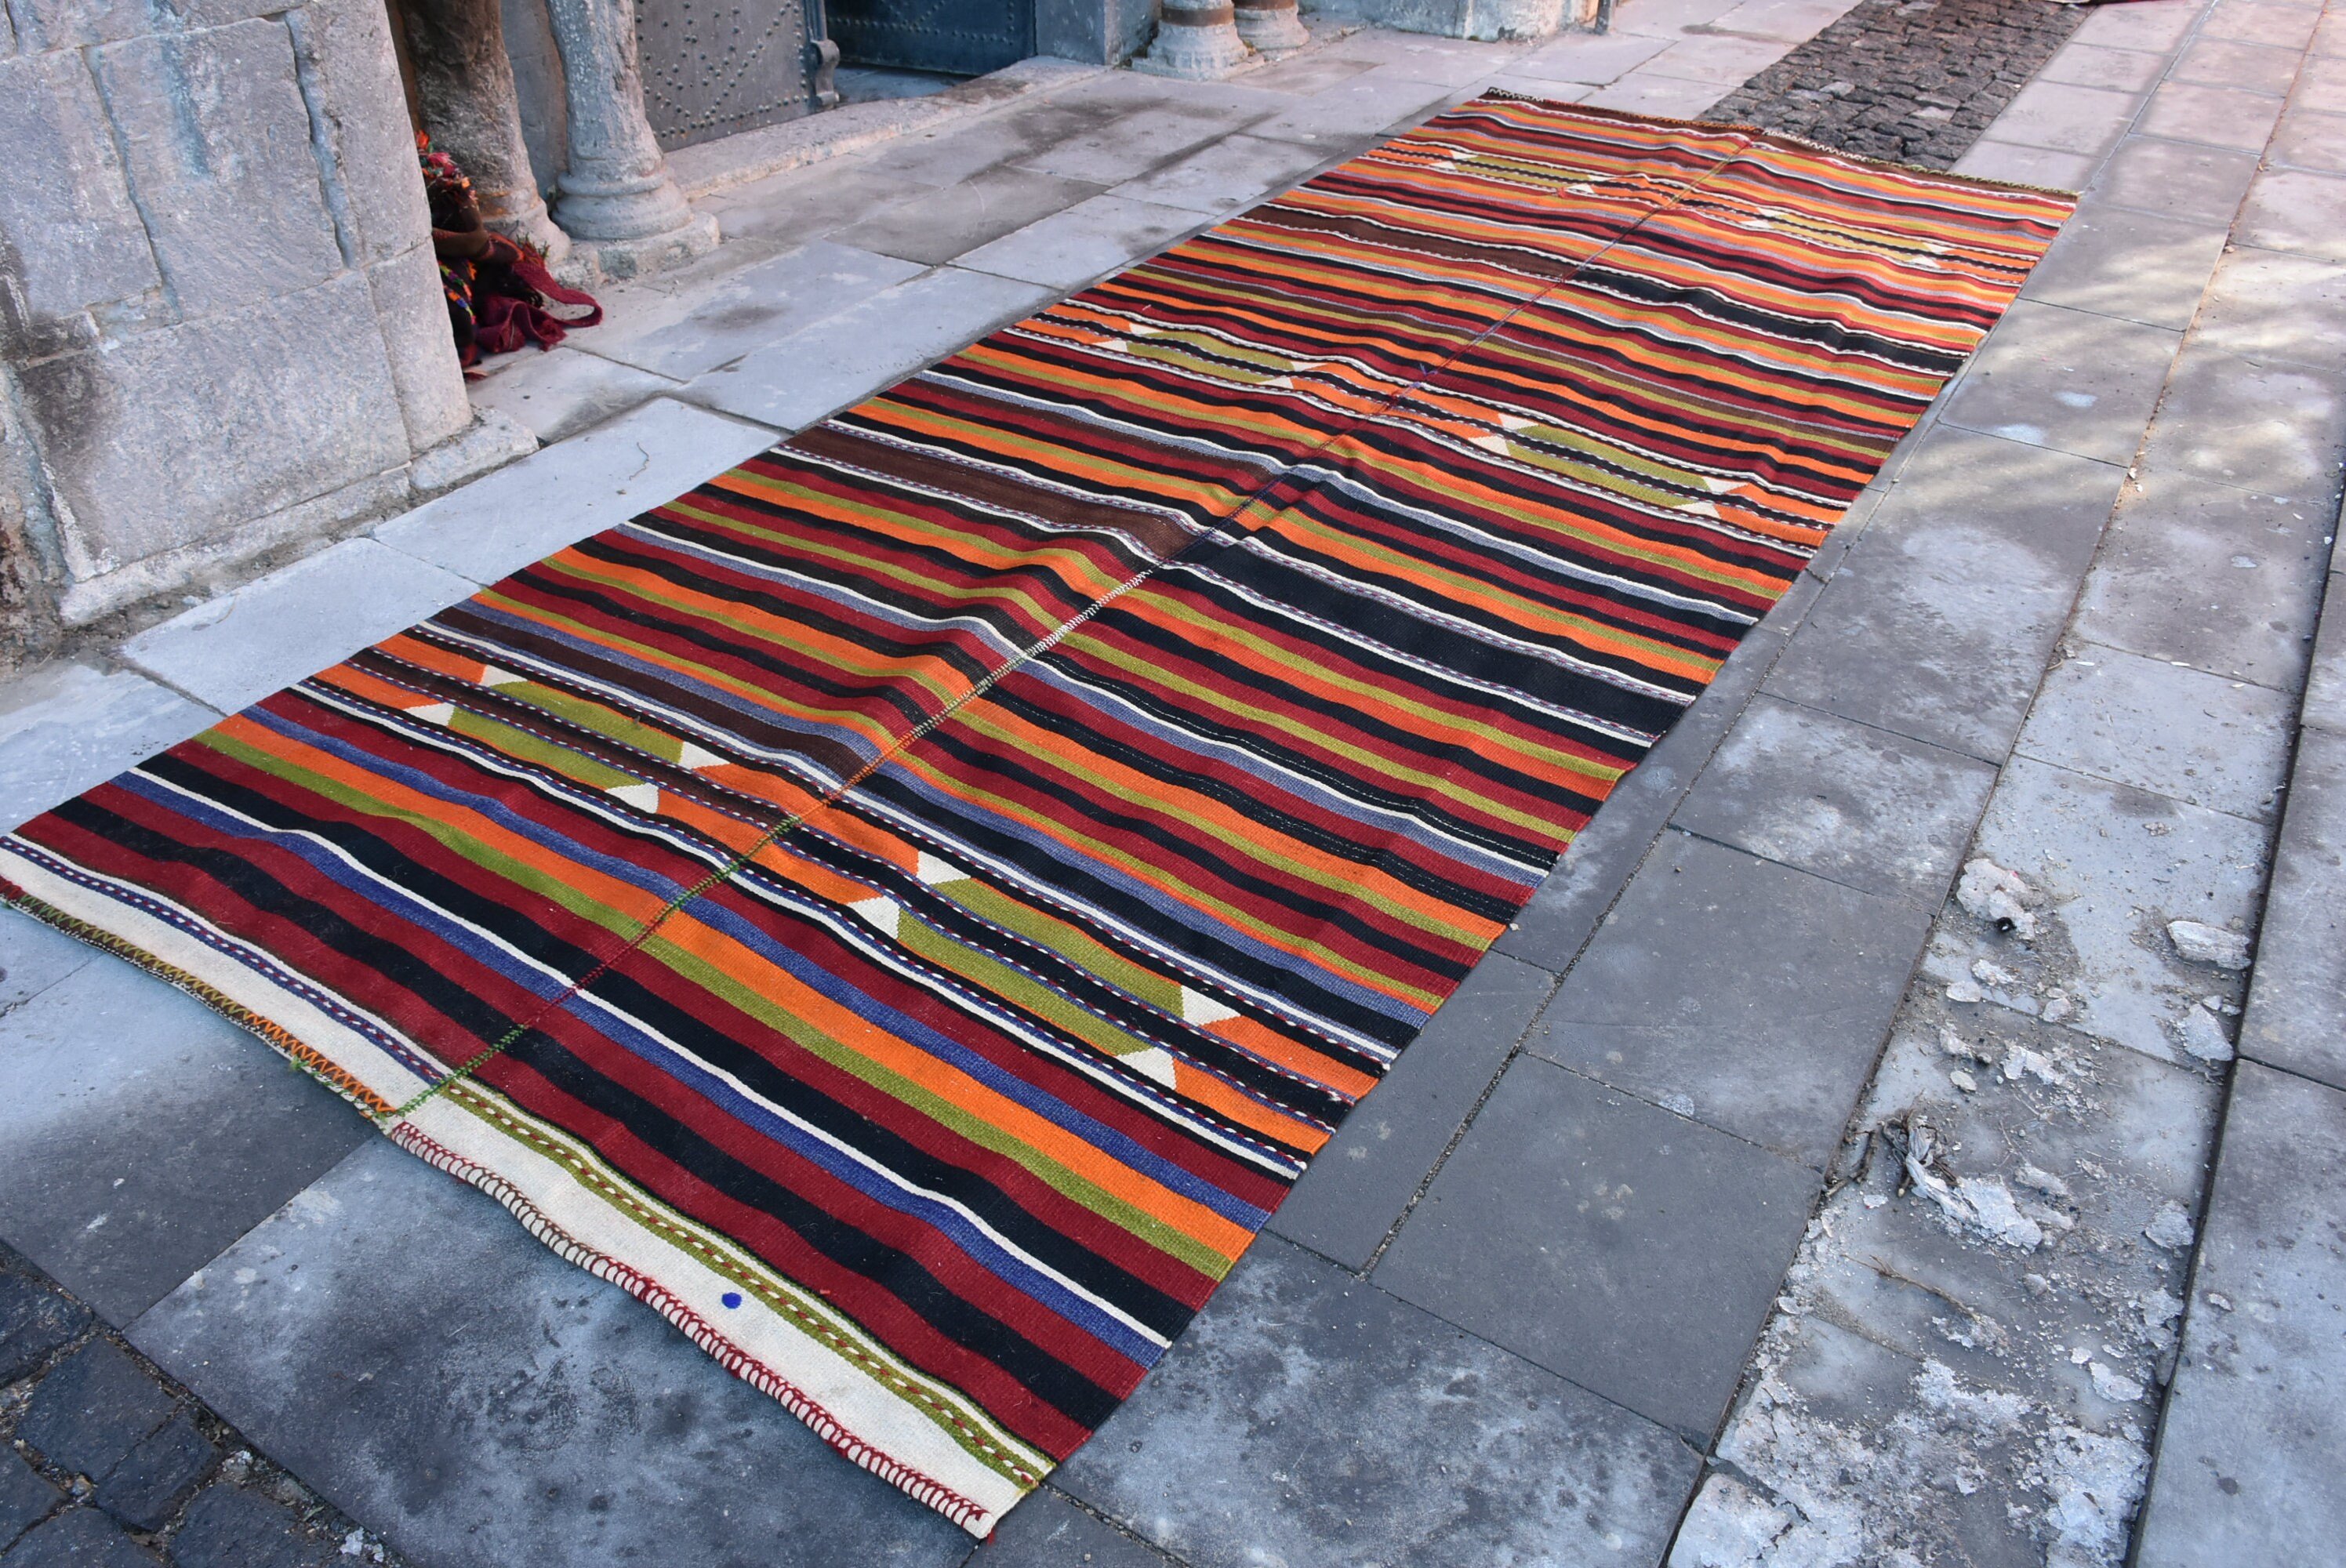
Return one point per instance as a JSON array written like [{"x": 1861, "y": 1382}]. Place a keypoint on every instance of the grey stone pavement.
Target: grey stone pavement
[{"x": 1766, "y": 1198}]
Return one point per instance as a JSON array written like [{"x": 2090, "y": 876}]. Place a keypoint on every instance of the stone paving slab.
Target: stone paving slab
[
  {"x": 2325, "y": 682},
  {"x": 1746, "y": 994},
  {"x": 557, "y": 393},
  {"x": 2297, "y": 1001},
  {"x": 2279, "y": 428},
  {"x": 232, "y": 651},
  {"x": 1225, "y": 175},
  {"x": 802, "y": 204},
  {"x": 2309, "y": 140},
  {"x": 661, "y": 326},
  {"x": 1590, "y": 57},
  {"x": 2068, "y": 380},
  {"x": 142, "y": 1132},
  {"x": 71, "y": 727},
  {"x": 2178, "y": 179},
  {"x": 2113, "y": 864},
  {"x": 395, "y": 1339},
  {"x": 1352, "y": 111},
  {"x": 1093, "y": 237},
  {"x": 1849, "y": 803},
  {"x": 1309, "y": 1420},
  {"x": 1361, "y": 1184},
  {"x": 1551, "y": 930},
  {"x": 1618, "y": 1245},
  {"x": 2267, "y": 305},
  {"x": 1047, "y": 1531},
  {"x": 1133, "y": 143},
  {"x": 840, "y": 361},
  {"x": 562, "y": 494},
  {"x": 1938, "y": 622},
  {"x": 2161, "y": 726},
  {"x": 2224, "y": 579},
  {"x": 990, "y": 204},
  {"x": 2083, "y": 64},
  {"x": 2247, "y": 1463},
  {"x": 1930, "y": 1290},
  {"x": 2137, "y": 266},
  {"x": 33, "y": 957},
  {"x": 2221, "y": 117}
]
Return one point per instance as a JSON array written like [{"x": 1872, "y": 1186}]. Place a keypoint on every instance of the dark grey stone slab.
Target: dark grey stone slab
[
  {"x": 1361, "y": 1183},
  {"x": 92, "y": 1409},
  {"x": 1743, "y": 993},
  {"x": 2113, "y": 864},
  {"x": 35, "y": 956},
  {"x": 400, "y": 1342},
  {"x": 2179, "y": 179},
  {"x": 1939, "y": 621},
  {"x": 143, "y": 1132},
  {"x": 2165, "y": 727},
  {"x": 1628, "y": 1249},
  {"x": 2248, "y": 1456},
  {"x": 1850, "y": 803},
  {"x": 802, "y": 204},
  {"x": 2065, "y": 379},
  {"x": 1307, "y": 1419},
  {"x": 25, "y": 1498},
  {"x": 78, "y": 1538},
  {"x": 2124, "y": 1137},
  {"x": 2325, "y": 683},
  {"x": 230, "y": 1528},
  {"x": 2225, "y": 579},
  {"x": 1552, "y": 929},
  {"x": 2269, "y": 305},
  {"x": 2296, "y": 1015},
  {"x": 950, "y": 155},
  {"x": 147, "y": 1488},
  {"x": 68, "y": 726},
  {"x": 688, "y": 322},
  {"x": 936, "y": 227},
  {"x": 34, "y": 1323},
  {"x": 2276, "y": 428},
  {"x": 1047, "y": 1531},
  {"x": 2299, "y": 211},
  {"x": 2141, "y": 266}
]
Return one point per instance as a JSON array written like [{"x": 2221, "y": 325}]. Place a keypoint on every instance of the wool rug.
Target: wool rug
[{"x": 910, "y": 908}]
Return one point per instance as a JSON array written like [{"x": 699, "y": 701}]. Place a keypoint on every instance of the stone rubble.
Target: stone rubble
[{"x": 1967, "y": 1357}]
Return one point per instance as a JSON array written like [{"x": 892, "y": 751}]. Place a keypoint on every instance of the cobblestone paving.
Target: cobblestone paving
[
  {"x": 1912, "y": 80},
  {"x": 105, "y": 1463}
]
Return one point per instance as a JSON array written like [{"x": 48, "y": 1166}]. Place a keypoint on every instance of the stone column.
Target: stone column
[
  {"x": 1195, "y": 38},
  {"x": 466, "y": 82},
  {"x": 616, "y": 197},
  {"x": 1271, "y": 25}
]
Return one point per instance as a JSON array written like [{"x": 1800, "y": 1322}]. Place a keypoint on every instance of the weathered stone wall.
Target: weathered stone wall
[{"x": 220, "y": 323}]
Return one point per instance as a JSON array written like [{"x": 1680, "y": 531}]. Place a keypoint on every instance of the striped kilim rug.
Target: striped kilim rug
[{"x": 910, "y": 908}]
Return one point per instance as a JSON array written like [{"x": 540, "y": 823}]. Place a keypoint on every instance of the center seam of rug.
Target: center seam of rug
[{"x": 1022, "y": 657}]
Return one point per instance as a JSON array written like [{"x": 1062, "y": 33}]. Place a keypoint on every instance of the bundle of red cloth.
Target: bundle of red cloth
[{"x": 498, "y": 289}]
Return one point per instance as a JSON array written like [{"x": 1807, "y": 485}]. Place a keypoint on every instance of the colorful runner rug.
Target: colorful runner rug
[{"x": 910, "y": 908}]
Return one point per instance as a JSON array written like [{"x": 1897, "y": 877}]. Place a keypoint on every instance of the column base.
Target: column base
[
  {"x": 1271, "y": 30},
  {"x": 1196, "y": 54},
  {"x": 596, "y": 261}
]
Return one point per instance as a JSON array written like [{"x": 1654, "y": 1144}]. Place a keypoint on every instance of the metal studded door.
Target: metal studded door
[
  {"x": 964, "y": 36},
  {"x": 712, "y": 67}
]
